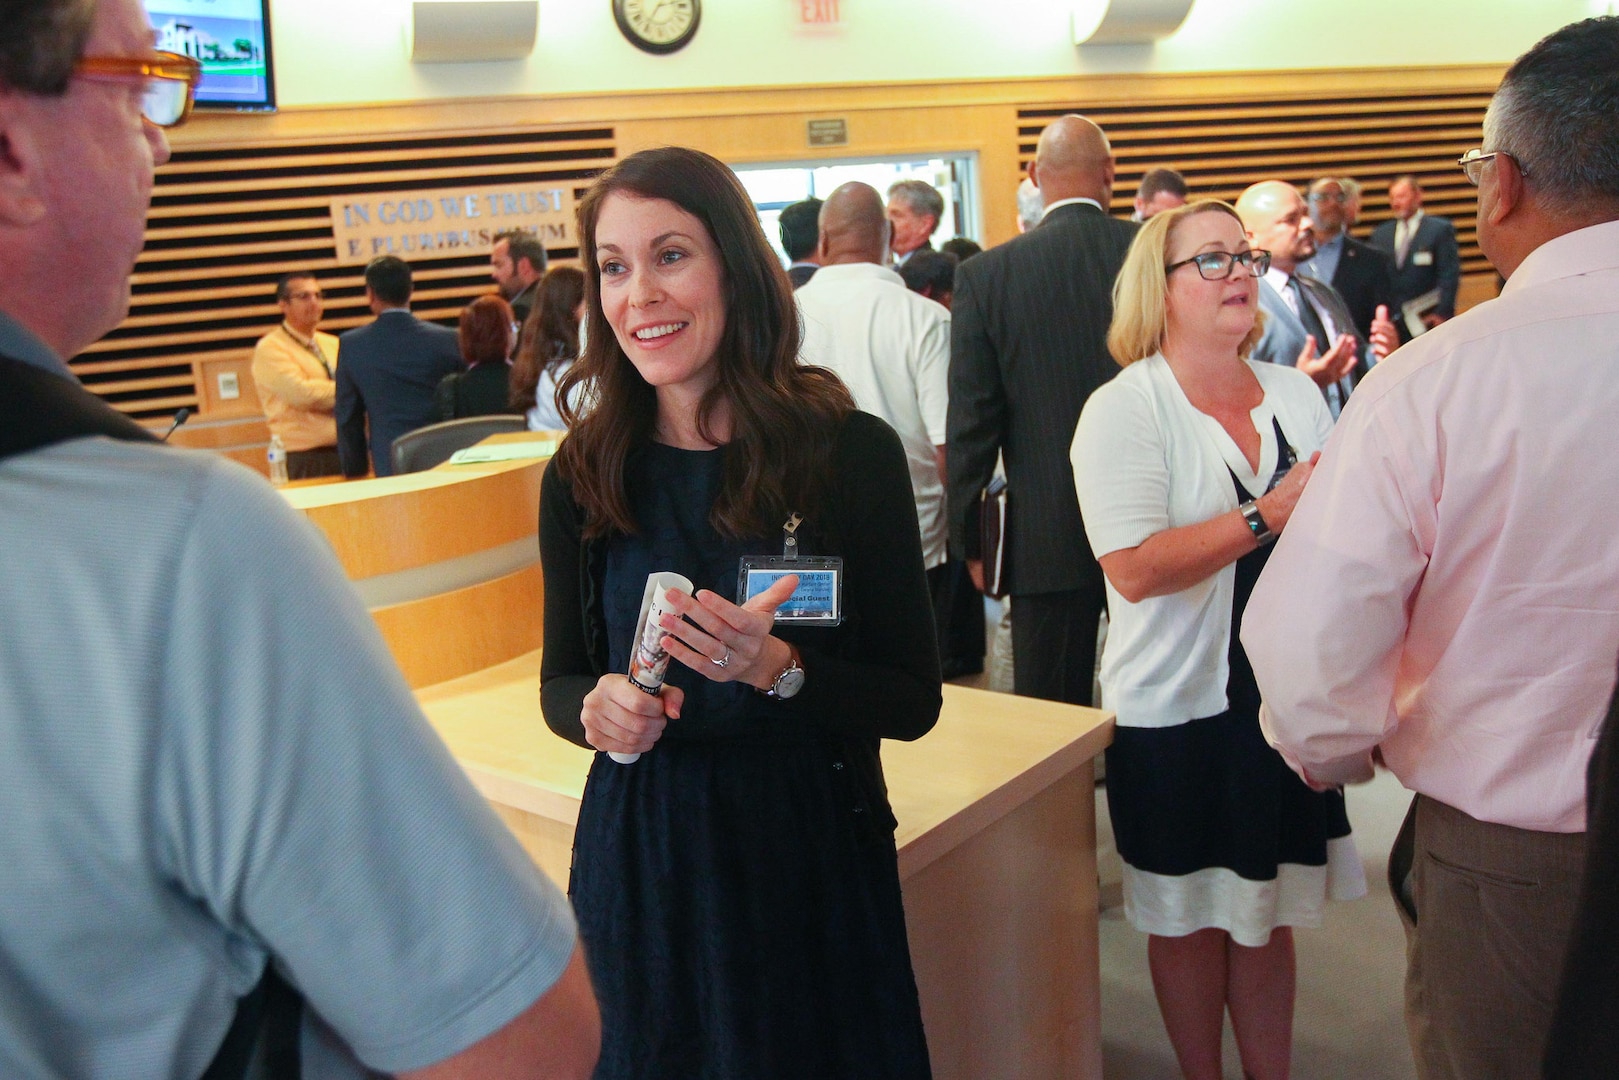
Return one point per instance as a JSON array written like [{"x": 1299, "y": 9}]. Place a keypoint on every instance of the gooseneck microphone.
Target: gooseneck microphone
[{"x": 179, "y": 418}]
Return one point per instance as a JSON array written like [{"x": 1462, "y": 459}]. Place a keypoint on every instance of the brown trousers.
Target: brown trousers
[{"x": 1487, "y": 912}]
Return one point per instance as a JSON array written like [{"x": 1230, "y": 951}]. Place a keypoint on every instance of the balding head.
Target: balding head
[
  {"x": 1073, "y": 160},
  {"x": 1278, "y": 222},
  {"x": 854, "y": 226}
]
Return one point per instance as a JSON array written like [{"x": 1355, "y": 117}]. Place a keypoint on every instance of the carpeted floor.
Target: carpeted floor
[{"x": 1348, "y": 1024}]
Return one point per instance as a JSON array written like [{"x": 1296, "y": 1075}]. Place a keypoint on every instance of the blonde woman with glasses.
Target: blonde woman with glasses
[{"x": 1187, "y": 466}]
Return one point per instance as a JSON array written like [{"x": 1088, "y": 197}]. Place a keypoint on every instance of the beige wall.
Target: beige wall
[{"x": 353, "y": 51}]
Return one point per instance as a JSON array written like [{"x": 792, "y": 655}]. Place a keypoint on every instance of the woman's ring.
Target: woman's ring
[{"x": 723, "y": 661}]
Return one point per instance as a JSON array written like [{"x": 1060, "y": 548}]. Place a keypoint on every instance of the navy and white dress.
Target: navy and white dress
[{"x": 1214, "y": 829}]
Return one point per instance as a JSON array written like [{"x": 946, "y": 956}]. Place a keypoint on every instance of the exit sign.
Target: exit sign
[{"x": 818, "y": 12}]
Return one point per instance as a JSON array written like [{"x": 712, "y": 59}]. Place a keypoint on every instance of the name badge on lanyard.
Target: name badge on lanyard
[{"x": 818, "y": 599}]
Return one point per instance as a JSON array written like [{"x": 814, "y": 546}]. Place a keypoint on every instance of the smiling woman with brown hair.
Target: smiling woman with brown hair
[
  {"x": 1187, "y": 465},
  {"x": 736, "y": 885}
]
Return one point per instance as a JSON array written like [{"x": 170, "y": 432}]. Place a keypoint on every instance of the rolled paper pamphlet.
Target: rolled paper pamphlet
[{"x": 650, "y": 659}]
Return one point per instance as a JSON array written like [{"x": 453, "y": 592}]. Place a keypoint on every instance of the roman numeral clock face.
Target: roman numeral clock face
[{"x": 658, "y": 26}]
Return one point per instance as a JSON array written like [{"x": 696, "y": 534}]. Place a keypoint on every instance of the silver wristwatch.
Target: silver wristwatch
[
  {"x": 1256, "y": 522},
  {"x": 791, "y": 679}
]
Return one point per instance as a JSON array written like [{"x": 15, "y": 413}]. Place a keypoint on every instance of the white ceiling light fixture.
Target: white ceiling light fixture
[
  {"x": 459, "y": 31},
  {"x": 1127, "y": 22}
]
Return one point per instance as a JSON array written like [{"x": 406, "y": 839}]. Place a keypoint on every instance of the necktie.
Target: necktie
[
  {"x": 1402, "y": 240},
  {"x": 1307, "y": 316},
  {"x": 313, "y": 347},
  {"x": 1323, "y": 340}
]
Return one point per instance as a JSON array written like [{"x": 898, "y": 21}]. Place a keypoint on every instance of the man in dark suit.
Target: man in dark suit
[
  {"x": 1361, "y": 274},
  {"x": 1028, "y": 345},
  {"x": 1424, "y": 252},
  {"x": 389, "y": 372},
  {"x": 516, "y": 264},
  {"x": 1307, "y": 324},
  {"x": 799, "y": 225},
  {"x": 914, "y": 210}
]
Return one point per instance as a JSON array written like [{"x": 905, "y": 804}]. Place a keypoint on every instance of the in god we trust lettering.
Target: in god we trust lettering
[{"x": 446, "y": 223}]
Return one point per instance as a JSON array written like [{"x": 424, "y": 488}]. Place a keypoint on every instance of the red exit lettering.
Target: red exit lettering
[{"x": 818, "y": 11}]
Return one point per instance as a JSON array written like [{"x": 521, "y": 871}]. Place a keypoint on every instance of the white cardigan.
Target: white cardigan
[{"x": 1144, "y": 461}]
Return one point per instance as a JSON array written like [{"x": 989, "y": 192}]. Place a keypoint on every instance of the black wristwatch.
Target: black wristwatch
[
  {"x": 1256, "y": 522},
  {"x": 791, "y": 679}
]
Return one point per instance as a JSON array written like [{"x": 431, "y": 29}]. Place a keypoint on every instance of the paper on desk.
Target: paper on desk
[{"x": 513, "y": 451}]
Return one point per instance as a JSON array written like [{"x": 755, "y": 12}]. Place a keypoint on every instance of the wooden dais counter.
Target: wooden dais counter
[{"x": 996, "y": 806}]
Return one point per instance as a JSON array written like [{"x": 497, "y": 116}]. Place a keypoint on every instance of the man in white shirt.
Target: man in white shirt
[
  {"x": 1307, "y": 324},
  {"x": 1446, "y": 596},
  {"x": 889, "y": 345}
]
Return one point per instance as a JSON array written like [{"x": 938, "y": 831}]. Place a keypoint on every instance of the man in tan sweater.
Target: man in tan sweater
[{"x": 293, "y": 368}]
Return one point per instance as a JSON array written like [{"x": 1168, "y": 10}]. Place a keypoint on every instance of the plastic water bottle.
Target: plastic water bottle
[{"x": 278, "y": 461}]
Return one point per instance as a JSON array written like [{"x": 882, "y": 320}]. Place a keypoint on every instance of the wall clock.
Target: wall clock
[{"x": 658, "y": 26}]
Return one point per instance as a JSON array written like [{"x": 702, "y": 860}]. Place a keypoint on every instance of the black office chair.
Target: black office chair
[{"x": 432, "y": 445}]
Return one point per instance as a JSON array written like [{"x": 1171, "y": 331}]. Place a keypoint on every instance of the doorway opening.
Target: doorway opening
[{"x": 774, "y": 186}]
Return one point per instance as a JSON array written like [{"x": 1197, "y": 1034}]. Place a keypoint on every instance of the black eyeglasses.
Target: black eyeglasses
[
  {"x": 1325, "y": 197},
  {"x": 170, "y": 81},
  {"x": 1218, "y": 265},
  {"x": 1472, "y": 163}
]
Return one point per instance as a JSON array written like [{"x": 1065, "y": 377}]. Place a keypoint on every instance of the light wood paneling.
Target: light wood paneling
[
  {"x": 246, "y": 197},
  {"x": 229, "y": 216},
  {"x": 1372, "y": 134},
  {"x": 218, "y": 434},
  {"x": 995, "y": 920},
  {"x": 215, "y": 406},
  {"x": 456, "y": 633}
]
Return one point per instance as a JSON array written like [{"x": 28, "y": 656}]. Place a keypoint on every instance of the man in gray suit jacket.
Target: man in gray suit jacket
[
  {"x": 397, "y": 363},
  {"x": 1028, "y": 345},
  {"x": 1307, "y": 324}
]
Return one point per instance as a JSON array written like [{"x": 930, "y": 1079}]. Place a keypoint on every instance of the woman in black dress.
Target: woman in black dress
[{"x": 737, "y": 887}]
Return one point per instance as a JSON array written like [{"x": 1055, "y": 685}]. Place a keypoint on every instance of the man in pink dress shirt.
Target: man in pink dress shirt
[{"x": 1446, "y": 596}]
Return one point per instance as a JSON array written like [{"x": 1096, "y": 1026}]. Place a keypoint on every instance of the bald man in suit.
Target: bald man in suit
[{"x": 1028, "y": 346}]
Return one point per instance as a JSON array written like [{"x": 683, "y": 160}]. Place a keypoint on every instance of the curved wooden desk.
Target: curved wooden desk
[
  {"x": 997, "y": 845},
  {"x": 447, "y": 561}
]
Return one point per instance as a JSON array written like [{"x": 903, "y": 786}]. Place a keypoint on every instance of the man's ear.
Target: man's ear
[
  {"x": 21, "y": 164},
  {"x": 823, "y": 246},
  {"x": 1033, "y": 176},
  {"x": 1509, "y": 190}
]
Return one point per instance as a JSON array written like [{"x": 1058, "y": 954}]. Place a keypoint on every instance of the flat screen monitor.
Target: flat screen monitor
[{"x": 231, "y": 38}]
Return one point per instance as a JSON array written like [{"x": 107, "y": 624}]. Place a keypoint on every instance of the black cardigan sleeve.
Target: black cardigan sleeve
[
  {"x": 567, "y": 670},
  {"x": 879, "y": 674},
  {"x": 876, "y": 676}
]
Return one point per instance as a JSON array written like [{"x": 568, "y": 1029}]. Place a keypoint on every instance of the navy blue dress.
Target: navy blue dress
[{"x": 737, "y": 887}]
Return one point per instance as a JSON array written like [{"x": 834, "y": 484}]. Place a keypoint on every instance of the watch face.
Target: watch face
[
  {"x": 658, "y": 26},
  {"x": 790, "y": 682}
]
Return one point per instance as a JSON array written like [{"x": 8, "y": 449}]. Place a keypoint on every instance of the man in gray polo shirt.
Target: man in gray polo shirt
[{"x": 208, "y": 762}]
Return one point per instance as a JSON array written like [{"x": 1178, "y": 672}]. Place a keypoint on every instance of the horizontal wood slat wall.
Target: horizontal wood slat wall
[
  {"x": 228, "y": 218},
  {"x": 246, "y": 197},
  {"x": 1223, "y": 147}
]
